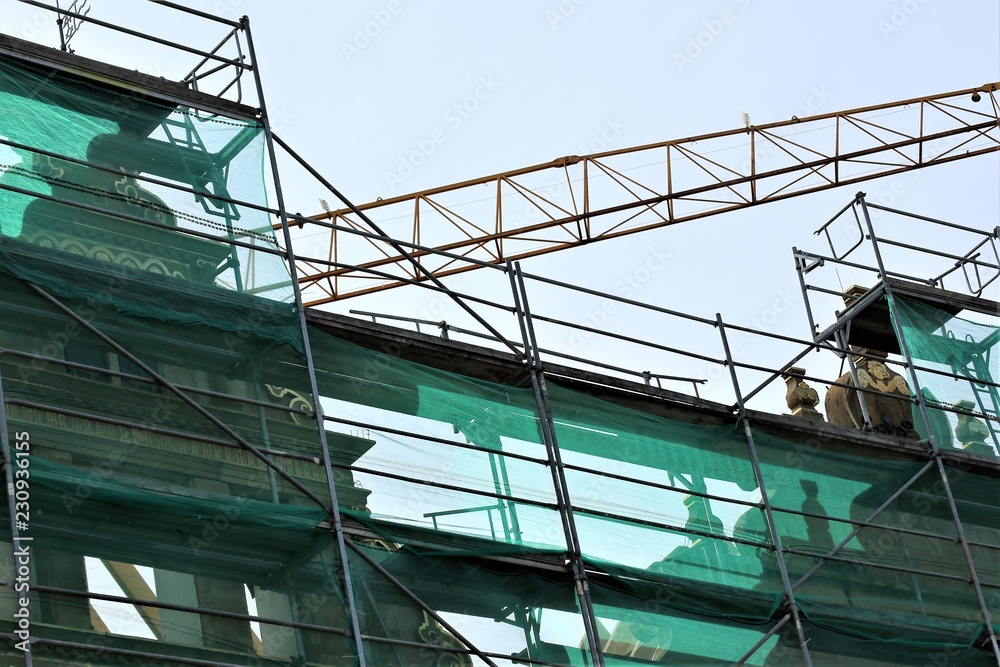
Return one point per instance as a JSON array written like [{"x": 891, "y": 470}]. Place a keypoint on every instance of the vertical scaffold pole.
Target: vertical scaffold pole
[
  {"x": 801, "y": 268},
  {"x": 772, "y": 527},
  {"x": 840, "y": 337},
  {"x": 561, "y": 488},
  {"x": 256, "y": 377},
  {"x": 18, "y": 543},
  {"x": 311, "y": 369},
  {"x": 931, "y": 439},
  {"x": 897, "y": 327}
]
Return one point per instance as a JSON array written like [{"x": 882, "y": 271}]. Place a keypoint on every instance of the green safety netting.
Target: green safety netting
[
  {"x": 650, "y": 528},
  {"x": 125, "y": 472},
  {"x": 446, "y": 469},
  {"x": 297, "y": 581},
  {"x": 649, "y": 533},
  {"x": 904, "y": 578},
  {"x": 101, "y": 286},
  {"x": 507, "y": 457},
  {"x": 505, "y": 609},
  {"x": 120, "y": 518},
  {"x": 87, "y": 416},
  {"x": 834, "y": 649},
  {"x": 688, "y": 555},
  {"x": 962, "y": 352},
  {"x": 977, "y": 498},
  {"x": 52, "y": 115},
  {"x": 649, "y": 627}
]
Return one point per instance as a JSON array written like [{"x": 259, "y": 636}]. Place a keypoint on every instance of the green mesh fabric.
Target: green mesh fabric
[
  {"x": 296, "y": 581},
  {"x": 133, "y": 492},
  {"x": 507, "y": 458},
  {"x": 124, "y": 472},
  {"x": 121, "y": 518},
  {"x": 829, "y": 648},
  {"x": 671, "y": 562},
  {"x": 648, "y": 531},
  {"x": 817, "y": 491},
  {"x": 152, "y": 296},
  {"x": 489, "y": 600},
  {"x": 960, "y": 347},
  {"x": 976, "y": 498},
  {"x": 54, "y": 115},
  {"x": 649, "y": 627},
  {"x": 448, "y": 472}
]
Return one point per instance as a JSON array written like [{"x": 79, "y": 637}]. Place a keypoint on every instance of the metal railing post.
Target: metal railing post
[
  {"x": 560, "y": 486},
  {"x": 931, "y": 439},
  {"x": 772, "y": 527},
  {"x": 310, "y": 367}
]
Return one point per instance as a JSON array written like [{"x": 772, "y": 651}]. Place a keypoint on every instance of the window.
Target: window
[{"x": 89, "y": 355}]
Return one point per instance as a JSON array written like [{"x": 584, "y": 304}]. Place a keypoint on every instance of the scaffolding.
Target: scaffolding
[{"x": 201, "y": 471}]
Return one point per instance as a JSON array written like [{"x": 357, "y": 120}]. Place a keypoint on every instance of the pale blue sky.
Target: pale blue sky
[{"x": 357, "y": 86}]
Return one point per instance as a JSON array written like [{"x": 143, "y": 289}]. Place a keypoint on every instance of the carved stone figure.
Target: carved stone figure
[
  {"x": 888, "y": 415},
  {"x": 971, "y": 432},
  {"x": 800, "y": 397}
]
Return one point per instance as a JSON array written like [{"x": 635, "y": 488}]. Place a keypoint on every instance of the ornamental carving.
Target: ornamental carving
[
  {"x": 292, "y": 399},
  {"x": 431, "y": 632},
  {"x": 889, "y": 415}
]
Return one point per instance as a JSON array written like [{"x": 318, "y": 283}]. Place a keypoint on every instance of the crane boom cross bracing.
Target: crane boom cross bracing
[{"x": 580, "y": 199}]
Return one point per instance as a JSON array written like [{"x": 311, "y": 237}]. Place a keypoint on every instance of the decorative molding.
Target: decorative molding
[{"x": 431, "y": 632}]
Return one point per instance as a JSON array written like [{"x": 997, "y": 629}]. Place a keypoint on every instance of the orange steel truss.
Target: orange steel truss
[{"x": 576, "y": 200}]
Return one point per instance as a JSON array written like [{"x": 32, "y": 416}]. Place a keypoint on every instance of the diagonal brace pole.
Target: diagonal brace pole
[
  {"x": 413, "y": 260},
  {"x": 881, "y": 508},
  {"x": 772, "y": 527},
  {"x": 172, "y": 388},
  {"x": 420, "y": 603},
  {"x": 763, "y": 640}
]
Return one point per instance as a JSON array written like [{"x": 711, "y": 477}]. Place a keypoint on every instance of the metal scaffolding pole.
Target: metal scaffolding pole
[
  {"x": 561, "y": 488},
  {"x": 772, "y": 527},
  {"x": 841, "y": 337},
  {"x": 310, "y": 367},
  {"x": 932, "y": 439},
  {"x": 420, "y": 603},
  {"x": 172, "y": 388}
]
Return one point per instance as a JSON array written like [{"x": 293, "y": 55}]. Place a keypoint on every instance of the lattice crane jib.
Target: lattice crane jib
[{"x": 575, "y": 200}]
